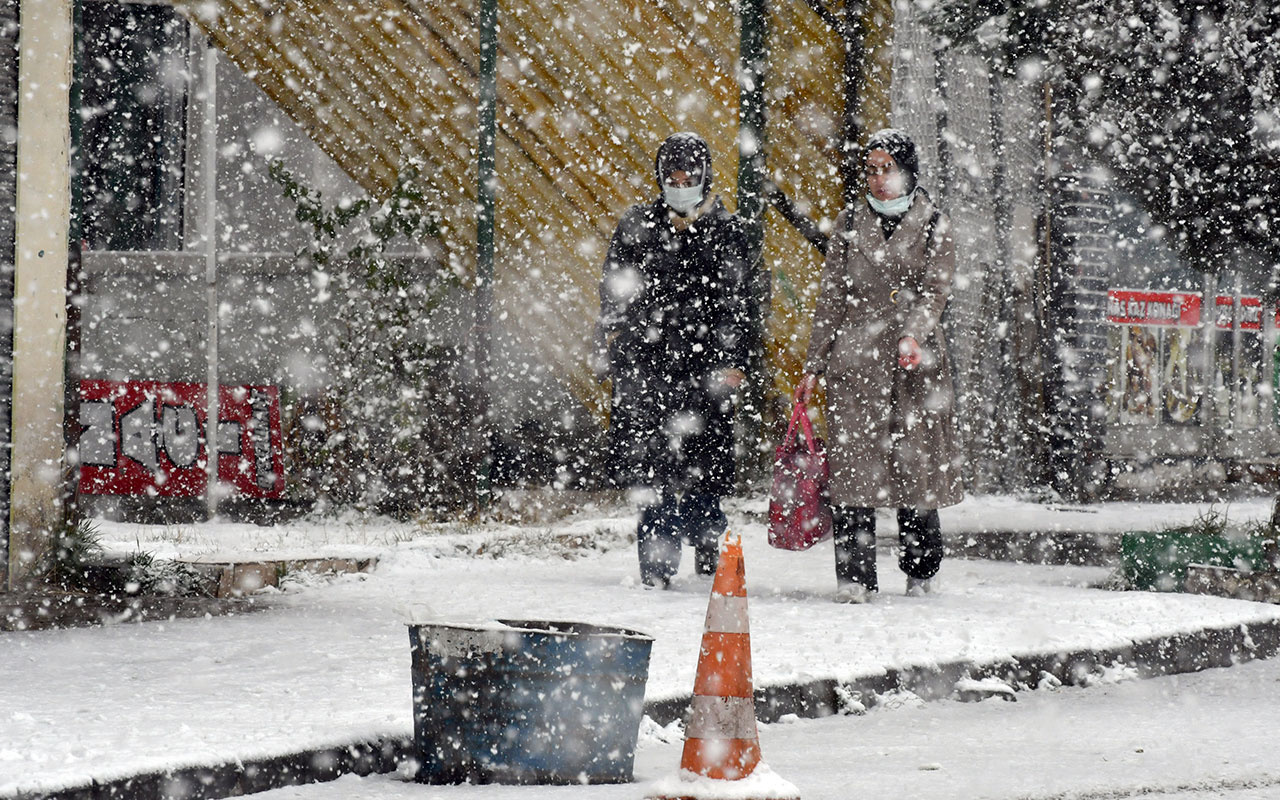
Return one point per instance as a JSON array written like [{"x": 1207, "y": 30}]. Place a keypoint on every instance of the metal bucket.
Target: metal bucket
[{"x": 524, "y": 701}]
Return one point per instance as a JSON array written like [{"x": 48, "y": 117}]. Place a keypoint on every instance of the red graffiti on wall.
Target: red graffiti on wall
[{"x": 151, "y": 438}]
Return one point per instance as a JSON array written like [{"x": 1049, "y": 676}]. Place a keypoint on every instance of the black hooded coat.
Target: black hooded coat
[{"x": 678, "y": 309}]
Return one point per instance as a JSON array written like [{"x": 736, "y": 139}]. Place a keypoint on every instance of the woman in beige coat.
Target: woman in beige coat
[{"x": 890, "y": 401}]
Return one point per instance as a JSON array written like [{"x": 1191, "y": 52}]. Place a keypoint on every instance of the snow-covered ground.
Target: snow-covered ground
[
  {"x": 329, "y": 664},
  {"x": 1180, "y": 737},
  {"x": 354, "y": 536}
]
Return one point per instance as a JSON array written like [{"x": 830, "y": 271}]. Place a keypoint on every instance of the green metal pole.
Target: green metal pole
[
  {"x": 752, "y": 145},
  {"x": 854, "y": 66},
  {"x": 485, "y": 163},
  {"x": 753, "y": 67}
]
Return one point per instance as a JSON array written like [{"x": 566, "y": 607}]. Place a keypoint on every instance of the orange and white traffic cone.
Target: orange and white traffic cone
[{"x": 721, "y": 744}]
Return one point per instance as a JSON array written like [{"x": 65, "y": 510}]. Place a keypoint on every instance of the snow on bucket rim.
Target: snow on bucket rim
[{"x": 546, "y": 627}]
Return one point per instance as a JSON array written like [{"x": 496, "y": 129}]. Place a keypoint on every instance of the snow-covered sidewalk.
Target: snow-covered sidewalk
[
  {"x": 329, "y": 664},
  {"x": 1206, "y": 736}
]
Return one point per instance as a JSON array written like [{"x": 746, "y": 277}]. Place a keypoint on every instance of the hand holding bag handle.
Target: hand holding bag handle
[{"x": 800, "y": 413}]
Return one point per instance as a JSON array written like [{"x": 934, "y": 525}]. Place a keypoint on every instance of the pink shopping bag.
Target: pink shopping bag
[{"x": 799, "y": 516}]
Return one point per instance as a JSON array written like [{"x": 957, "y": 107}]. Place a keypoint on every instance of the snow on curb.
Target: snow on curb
[{"x": 1162, "y": 655}]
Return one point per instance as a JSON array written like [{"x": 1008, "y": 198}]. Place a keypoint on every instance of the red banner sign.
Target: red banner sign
[
  {"x": 1182, "y": 309},
  {"x": 1250, "y": 312},
  {"x": 151, "y": 438},
  {"x": 1137, "y": 307}
]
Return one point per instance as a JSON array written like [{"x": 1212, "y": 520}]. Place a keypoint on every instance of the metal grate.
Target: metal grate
[{"x": 980, "y": 137}]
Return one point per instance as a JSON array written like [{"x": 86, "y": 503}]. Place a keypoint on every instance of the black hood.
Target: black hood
[
  {"x": 899, "y": 145},
  {"x": 684, "y": 151}
]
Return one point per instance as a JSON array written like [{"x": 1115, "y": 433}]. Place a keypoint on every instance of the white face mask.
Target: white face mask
[
  {"x": 892, "y": 208},
  {"x": 682, "y": 199}
]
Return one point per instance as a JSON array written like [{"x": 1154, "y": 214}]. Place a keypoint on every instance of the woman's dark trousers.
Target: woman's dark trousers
[{"x": 919, "y": 533}]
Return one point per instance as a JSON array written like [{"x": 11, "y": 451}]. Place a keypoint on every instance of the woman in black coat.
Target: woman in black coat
[{"x": 674, "y": 334}]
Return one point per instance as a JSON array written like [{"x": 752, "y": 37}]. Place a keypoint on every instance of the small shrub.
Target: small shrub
[
  {"x": 1158, "y": 560},
  {"x": 144, "y": 574},
  {"x": 71, "y": 555}
]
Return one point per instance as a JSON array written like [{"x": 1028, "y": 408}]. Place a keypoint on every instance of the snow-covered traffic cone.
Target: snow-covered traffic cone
[{"x": 721, "y": 746}]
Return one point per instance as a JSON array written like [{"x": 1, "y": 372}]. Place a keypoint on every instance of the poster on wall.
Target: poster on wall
[
  {"x": 1139, "y": 403},
  {"x": 1182, "y": 376},
  {"x": 1114, "y": 390},
  {"x": 1155, "y": 377},
  {"x": 150, "y": 438}
]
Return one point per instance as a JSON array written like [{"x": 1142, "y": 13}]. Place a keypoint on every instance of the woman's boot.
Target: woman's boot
[
  {"x": 920, "y": 535},
  {"x": 658, "y": 542},
  {"x": 855, "y": 546}
]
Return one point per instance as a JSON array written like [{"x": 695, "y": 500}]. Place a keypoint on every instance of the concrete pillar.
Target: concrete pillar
[{"x": 40, "y": 250}]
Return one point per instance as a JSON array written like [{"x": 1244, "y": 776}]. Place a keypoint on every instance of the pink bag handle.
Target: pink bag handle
[{"x": 801, "y": 414}]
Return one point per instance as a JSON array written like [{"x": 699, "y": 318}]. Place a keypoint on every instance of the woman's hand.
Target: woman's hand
[
  {"x": 909, "y": 353},
  {"x": 806, "y": 387}
]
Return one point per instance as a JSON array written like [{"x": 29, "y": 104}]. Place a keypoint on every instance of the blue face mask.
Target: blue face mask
[{"x": 892, "y": 208}]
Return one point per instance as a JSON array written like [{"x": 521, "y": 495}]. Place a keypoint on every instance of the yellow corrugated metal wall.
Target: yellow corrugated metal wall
[{"x": 587, "y": 90}]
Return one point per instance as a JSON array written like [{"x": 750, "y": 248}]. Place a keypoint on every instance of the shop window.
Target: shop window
[
  {"x": 134, "y": 77},
  {"x": 1157, "y": 349},
  {"x": 1153, "y": 341}
]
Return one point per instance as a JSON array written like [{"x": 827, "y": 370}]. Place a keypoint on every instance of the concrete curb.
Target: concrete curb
[
  {"x": 1083, "y": 548},
  {"x": 242, "y": 777},
  {"x": 1162, "y": 655},
  {"x": 1165, "y": 655},
  {"x": 31, "y": 612}
]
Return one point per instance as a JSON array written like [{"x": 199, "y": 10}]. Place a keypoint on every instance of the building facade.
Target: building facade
[{"x": 1067, "y": 373}]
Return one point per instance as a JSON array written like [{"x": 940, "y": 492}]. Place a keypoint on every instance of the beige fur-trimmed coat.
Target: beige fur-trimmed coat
[{"x": 891, "y": 438}]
